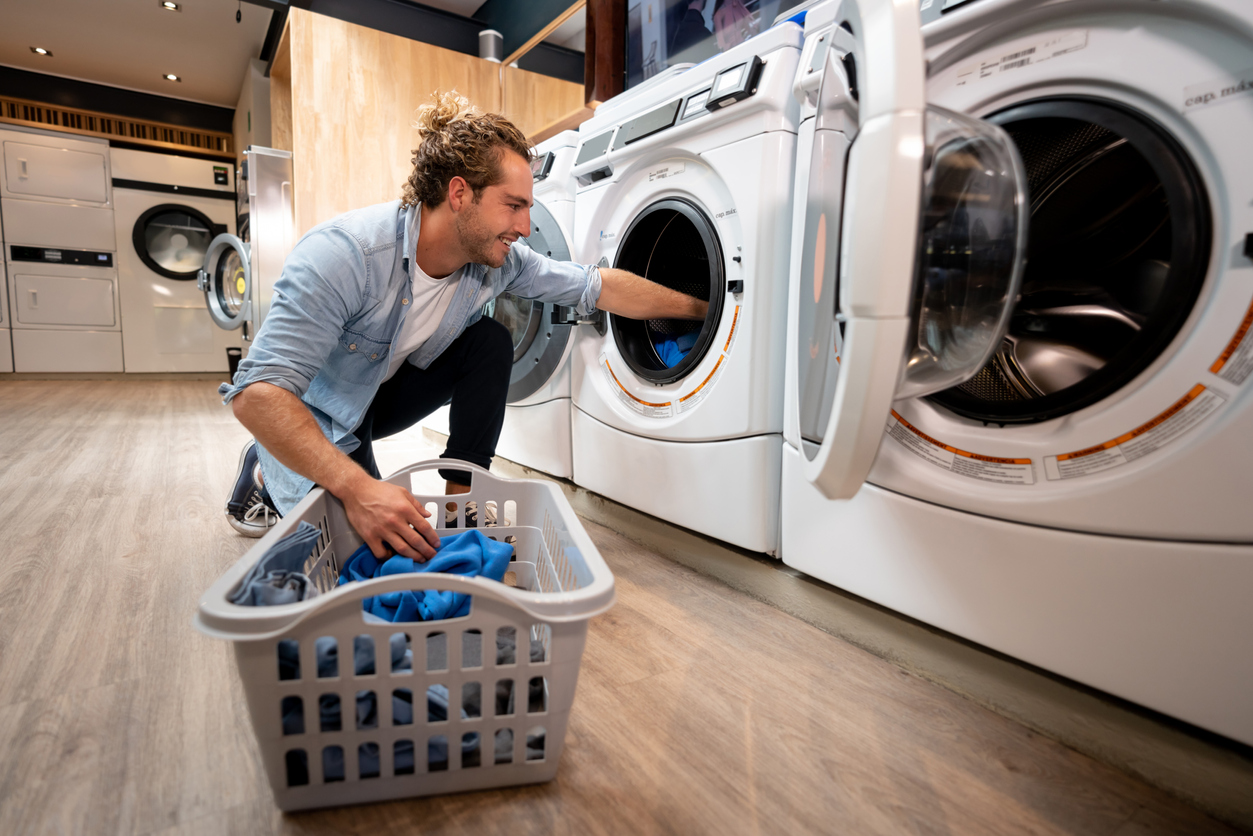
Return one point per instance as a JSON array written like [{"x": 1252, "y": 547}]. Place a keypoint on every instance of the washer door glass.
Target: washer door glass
[
  {"x": 673, "y": 243},
  {"x": 538, "y": 344},
  {"x": 226, "y": 282},
  {"x": 172, "y": 240}
]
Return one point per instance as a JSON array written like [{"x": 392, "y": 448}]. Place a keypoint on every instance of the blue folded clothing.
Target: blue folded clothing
[
  {"x": 276, "y": 577},
  {"x": 470, "y": 553},
  {"x": 673, "y": 350}
]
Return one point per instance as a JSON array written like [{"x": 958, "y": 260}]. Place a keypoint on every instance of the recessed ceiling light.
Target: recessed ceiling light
[
  {"x": 171, "y": 77},
  {"x": 38, "y": 50},
  {"x": 170, "y": 6}
]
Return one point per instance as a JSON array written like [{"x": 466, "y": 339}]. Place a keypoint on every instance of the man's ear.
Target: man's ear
[{"x": 459, "y": 193}]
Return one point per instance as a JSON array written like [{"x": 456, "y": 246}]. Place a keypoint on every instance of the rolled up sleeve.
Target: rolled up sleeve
[
  {"x": 535, "y": 276},
  {"x": 313, "y": 299}
]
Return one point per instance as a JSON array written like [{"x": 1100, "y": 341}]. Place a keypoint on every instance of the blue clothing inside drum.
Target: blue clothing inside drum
[
  {"x": 470, "y": 553},
  {"x": 276, "y": 577},
  {"x": 673, "y": 349}
]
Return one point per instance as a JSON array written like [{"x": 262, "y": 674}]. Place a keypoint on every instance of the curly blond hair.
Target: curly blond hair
[{"x": 456, "y": 139}]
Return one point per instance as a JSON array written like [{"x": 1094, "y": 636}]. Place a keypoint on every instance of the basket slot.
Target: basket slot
[{"x": 471, "y": 649}]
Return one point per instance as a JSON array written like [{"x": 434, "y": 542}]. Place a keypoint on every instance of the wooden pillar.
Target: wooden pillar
[{"x": 604, "y": 74}]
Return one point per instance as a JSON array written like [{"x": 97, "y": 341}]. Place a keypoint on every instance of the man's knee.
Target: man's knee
[{"x": 494, "y": 340}]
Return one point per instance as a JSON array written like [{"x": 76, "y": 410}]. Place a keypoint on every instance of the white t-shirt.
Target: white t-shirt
[{"x": 430, "y": 300}]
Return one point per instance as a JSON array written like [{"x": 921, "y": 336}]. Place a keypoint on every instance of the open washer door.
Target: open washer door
[
  {"x": 915, "y": 230},
  {"x": 226, "y": 281},
  {"x": 538, "y": 344}
]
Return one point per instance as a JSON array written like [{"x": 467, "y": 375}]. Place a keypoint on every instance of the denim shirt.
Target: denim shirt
[{"x": 340, "y": 303}]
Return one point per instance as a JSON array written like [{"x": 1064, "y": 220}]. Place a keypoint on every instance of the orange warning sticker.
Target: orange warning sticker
[
  {"x": 692, "y": 398},
  {"x": 1235, "y": 364},
  {"x": 962, "y": 462},
  {"x": 1179, "y": 418},
  {"x": 643, "y": 407}
]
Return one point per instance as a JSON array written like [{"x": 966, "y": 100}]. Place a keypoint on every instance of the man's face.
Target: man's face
[{"x": 501, "y": 215}]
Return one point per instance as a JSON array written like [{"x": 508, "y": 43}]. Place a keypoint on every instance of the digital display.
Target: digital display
[
  {"x": 663, "y": 33},
  {"x": 696, "y": 104},
  {"x": 729, "y": 79}
]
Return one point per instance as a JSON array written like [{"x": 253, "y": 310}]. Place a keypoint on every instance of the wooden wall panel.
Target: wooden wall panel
[
  {"x": 533, "y": 101},
  {"x": 281, "y": 93},
  {"x": 355, "y": 92}
]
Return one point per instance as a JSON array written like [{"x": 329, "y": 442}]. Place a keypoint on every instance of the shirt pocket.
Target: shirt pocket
[{"x": 358, "y": 356}]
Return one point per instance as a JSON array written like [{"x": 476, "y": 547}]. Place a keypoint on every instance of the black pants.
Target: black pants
[{"x": 472, "y": 375}]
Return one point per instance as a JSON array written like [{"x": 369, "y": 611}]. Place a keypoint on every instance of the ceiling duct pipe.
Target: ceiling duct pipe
[{"x": 491, "y": 45}]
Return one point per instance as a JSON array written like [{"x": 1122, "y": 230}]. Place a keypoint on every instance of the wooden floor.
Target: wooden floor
[{"x": 699, "y": 709}]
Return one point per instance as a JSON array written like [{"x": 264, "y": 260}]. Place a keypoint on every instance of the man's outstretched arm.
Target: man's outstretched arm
[
  {"x": 382, "y": 513},
  {"x": 635, "y": 297}
]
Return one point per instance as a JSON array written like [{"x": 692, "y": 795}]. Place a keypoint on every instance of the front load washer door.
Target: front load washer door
[
  {"x": 915, "y": 228},
  {"x": 226, "y": 280},
  {"x": 673, "y": 243},
  {"x": 172, "y": 240},
  {"x": 538, "y": 344}
]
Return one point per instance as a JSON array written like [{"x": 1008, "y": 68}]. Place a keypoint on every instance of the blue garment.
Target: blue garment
[
  {"x": 671, "y": 351},
  {"x": 469, "y": 553},
  {"x": 275, "y": 578},
  {"x": 340, "y": 303}
]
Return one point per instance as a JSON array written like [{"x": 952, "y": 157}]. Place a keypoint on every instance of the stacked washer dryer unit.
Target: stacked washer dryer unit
[
  {"x": 1079, "y": 502},
  {"x": 536, "y": 432},
  {"x": 57, "y": 208},
  {"x": 687, "y": 181},
  {"x": 167, "y": 209},
  {"x": 239, "y": 271}
]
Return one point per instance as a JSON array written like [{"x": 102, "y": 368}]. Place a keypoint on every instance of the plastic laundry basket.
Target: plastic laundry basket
[{"x": 561, "y": 582}]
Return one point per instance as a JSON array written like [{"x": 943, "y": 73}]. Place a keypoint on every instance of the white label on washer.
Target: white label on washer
[
  {"x": 1026, "y": 52},
  {"x": 984, "y": 468},
  {"x": 667, "y": 170},
  {"x": 1236, "y": 362},
  {"x": 1182, "y": 416},
  {"x": 1218, "y": 90},
  {"x": 646, "y": 408}
]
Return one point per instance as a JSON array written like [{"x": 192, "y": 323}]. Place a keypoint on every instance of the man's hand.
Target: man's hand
[{"x": 387, "y": 515}]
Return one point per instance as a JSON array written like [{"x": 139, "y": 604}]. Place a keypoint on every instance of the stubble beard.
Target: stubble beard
[{"x": 477, "y": 241}]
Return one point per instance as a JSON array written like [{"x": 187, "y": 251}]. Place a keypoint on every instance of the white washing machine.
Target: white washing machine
[
  {"x": 536, "y": 432},
  {"x": 57, "y": 208},
  {"x": 687, "y": 181},
  {"x": 6, "y": 332},
  {"x": 239, "y": 271},
  {"x": 167, "y": 209},
  {"x": 1079, "y": 502}
]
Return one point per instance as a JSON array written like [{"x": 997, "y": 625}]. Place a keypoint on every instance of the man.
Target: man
[{"x": 377, "y": 321}]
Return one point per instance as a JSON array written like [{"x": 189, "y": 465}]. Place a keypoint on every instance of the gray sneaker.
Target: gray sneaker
[{"x": 249, "y": 510}]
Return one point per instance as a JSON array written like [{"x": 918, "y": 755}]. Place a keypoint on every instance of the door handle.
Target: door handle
[
  {"x": 34, "y": 299},
  {"x": 22, "y": 165}
]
